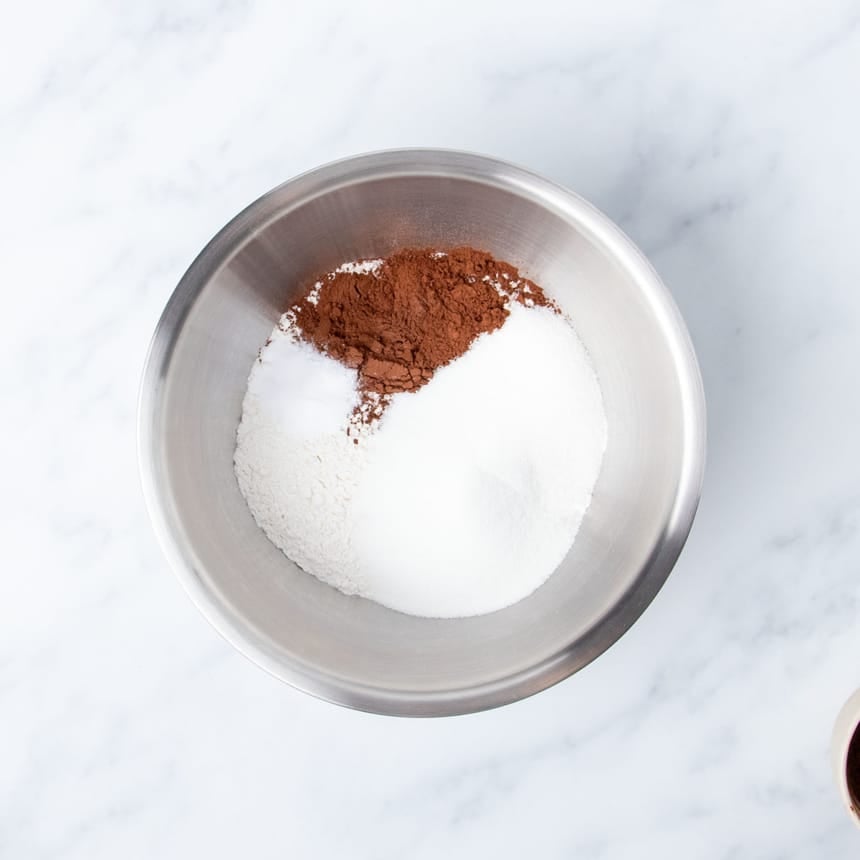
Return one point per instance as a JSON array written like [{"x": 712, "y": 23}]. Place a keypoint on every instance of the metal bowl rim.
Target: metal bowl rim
[{"x": 473, "y": 167}]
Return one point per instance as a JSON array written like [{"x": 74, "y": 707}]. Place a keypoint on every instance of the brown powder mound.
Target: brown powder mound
[{"x": 419, "y": 310}]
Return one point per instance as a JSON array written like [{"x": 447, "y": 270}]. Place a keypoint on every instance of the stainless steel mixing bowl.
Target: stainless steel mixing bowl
[{"x": 347, "y": 649}]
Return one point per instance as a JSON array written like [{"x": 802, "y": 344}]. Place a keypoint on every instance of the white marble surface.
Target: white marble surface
[{"x": 724, "y": 140}]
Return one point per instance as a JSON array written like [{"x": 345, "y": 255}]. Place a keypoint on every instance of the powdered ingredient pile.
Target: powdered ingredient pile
[{"x": 424, "y": 431}]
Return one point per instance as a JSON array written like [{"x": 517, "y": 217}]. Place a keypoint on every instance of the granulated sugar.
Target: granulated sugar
[
  {"x": 462, "y": 498},
  {"x": 476, "y": 485}
]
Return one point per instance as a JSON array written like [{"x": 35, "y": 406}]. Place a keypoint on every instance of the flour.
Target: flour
[
  {"x": 296, "y": 466},
  {"x": 462, "y": 499}
]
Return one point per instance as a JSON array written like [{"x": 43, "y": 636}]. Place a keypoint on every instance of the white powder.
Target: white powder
[
  {"x": 360, "y": 267},
  {"x": 466, "y": 495},
  {"x": 477, "y": 483},
  {"x": 295, "y": 464}
]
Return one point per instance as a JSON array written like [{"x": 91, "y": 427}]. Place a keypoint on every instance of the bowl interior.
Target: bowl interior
[{"x": 349, "y": 649}]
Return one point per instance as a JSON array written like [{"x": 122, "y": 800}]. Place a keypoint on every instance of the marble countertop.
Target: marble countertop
[{"x": 722, "y": 137}]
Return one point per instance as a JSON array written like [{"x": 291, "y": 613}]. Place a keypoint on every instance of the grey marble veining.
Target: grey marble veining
[{"x": 722, "y": 138}]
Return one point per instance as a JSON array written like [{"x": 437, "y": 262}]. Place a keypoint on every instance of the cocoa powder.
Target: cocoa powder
[{"x": 415, "y": 312}]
